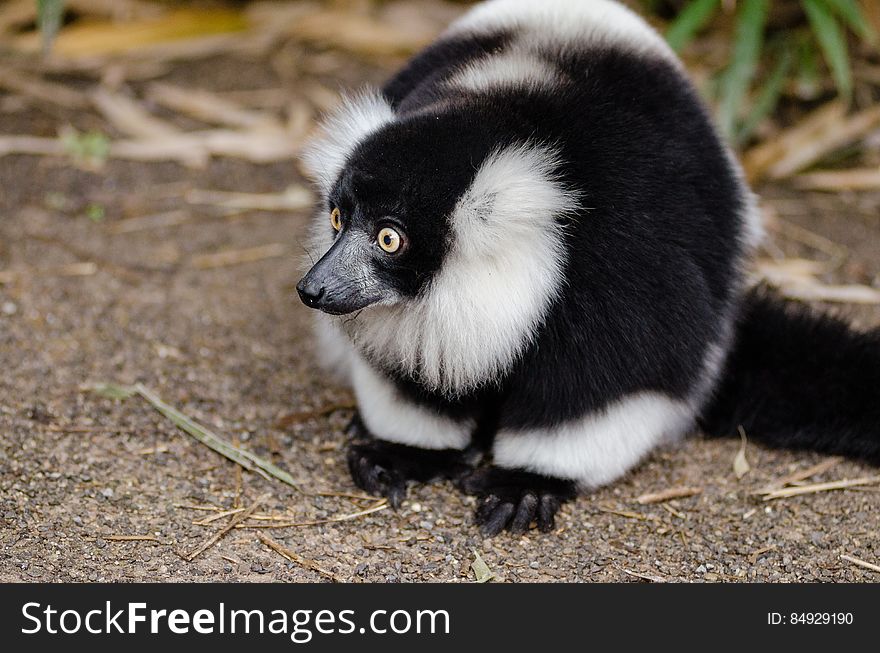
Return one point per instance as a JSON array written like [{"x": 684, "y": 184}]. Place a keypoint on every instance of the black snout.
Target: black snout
[
  {"x": 336, "y": 283},
  {"x": 310, "y": 293}
]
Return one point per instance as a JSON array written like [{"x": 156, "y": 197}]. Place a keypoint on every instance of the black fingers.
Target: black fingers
[{"x": 513, "y": 499}]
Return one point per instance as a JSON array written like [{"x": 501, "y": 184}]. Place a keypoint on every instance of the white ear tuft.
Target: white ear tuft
[{"x": 340, "y": 132}]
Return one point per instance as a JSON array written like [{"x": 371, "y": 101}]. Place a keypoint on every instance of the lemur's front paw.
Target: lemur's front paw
[
  {"x": 513, "y": 499},
  {"x": 384, "y": 468}
]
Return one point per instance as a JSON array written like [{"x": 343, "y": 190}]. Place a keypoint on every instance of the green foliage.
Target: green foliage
[
  {"x": 88, "y": 148},
  {"x": 49, "y": 14},
  {"x": 749, "y": 87}
]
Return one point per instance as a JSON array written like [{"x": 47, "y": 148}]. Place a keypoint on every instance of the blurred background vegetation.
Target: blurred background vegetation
[
  {"x": 764, "y": 66},
  {"x": 757, "y": 53}
]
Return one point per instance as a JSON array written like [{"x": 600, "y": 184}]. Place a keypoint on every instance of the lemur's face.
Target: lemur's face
[{"x": 388, "y": 217}]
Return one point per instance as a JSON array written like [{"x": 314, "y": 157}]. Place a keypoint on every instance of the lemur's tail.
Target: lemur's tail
[{"x": 797, "y": 379}]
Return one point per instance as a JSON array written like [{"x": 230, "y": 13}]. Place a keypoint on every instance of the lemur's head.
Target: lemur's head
[
  {"x": 439, "y": 221},
  {"x": 383, "y": 228}
]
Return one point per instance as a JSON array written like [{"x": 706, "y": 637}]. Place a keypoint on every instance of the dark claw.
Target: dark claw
[
  {"x": 383, "y": 468},
  {"x": 525, "y": 513},
  {"x": 513, "y": 499},
  {"x": 497, "y": 520},
  {"x": 547, "y": 508}
]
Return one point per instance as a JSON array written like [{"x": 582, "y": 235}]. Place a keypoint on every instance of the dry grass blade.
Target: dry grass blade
[
  {"x": 131, "y": 538},
  {"x": 298, "y": 559},
  {"x": 183, "y": 148},
  {"x": 219, "y": 515},
  {"x": 209, "y": 107},
  {"x": 810, "y": 141},
  {"x": 238, "y": 256},
  {"x": 820, "y": 487},
  {"x": 42, "y": 90},
  {"x": 861, "y": 563},
  {"x": 358, "y": 33},
  {"x": 861, "y": 179},
  {"x": 306, "y": 415},
  {"x": 154, "y": 221},
  {"x": 211, "y": 541},
  {"x": 801, "y": 475},
  {"x": 760, "y": 158},
  {"x": 382, "y": 505},
  {"x": 754, "y": 555},
  {"x": 649, "y": 577},
  {"x": 628, "y": 514},
  {"x": 294, "y": 198},
  {"x": 842, "y": 294},
  {"x": 669, "y": 494},
  {"x": 796, "y": 279},
  {"x": 84, "y": 269},
  {"x": 130, "y": 118},
  {"x": 105, "y": 37},
  {"x": 243, "y": 457},
  {"x": 35, "y": 145}
]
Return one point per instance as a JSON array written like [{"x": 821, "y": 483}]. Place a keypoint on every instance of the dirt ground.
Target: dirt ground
[{"x": 230, "y": 346}]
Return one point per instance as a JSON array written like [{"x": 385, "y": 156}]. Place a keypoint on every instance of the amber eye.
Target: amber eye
[
  {"x": 336, "y": 219},
  {"x": 389, "y": 240}
]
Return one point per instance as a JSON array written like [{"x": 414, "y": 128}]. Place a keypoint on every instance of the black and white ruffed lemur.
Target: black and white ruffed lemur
[{"x": 536, "y": 242}]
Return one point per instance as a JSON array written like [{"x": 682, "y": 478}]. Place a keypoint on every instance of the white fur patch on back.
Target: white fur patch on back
[
  {"x": 600, "y": 447},
  {"x": 506, "y": 69},
  {"x": 493, "y": 290},
  {"x": 390, "y": 416},
  {"x": 340, "y": 132},
  {"x": 576, "y": 23}
]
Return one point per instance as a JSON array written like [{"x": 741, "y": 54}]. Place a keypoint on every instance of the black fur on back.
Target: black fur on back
[
  {"x": 654, "y": 251},
  {"x": 799, "y": 379}
]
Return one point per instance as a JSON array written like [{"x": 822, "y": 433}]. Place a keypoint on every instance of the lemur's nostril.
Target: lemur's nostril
[{"x": 309, "y": 293}]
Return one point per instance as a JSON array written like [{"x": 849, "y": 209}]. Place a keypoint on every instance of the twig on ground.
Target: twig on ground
[
  {"x": 209, "y": 107},
  {"x": 649, "y": 577},
  {"x": 754, "y": 555},
  {"x": 860, "y": 562},
  {"x": 819, "y": 487},
  {"x": 236, "y": 519},
  {"x": 382, "y": 505},
  {"x": 154, "y": 221},
  {"x": 628, "y": 514},
  {"x": 294, "y": 198},
  {"x": 42, "y": 90},
  {"x": 128, "y": 538},
  {"x": 801, "y": 475},
  {"x": 306, "y": 415},
  {"x": 238, "y": 256},
  {"x": 298, "y": 559},
  {"x": 668, "y": 494},
  {"x": 839, "y": 180},
  {"x": 84, "y": 269}
]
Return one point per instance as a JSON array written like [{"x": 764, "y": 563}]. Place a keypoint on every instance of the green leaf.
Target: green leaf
[
  {"x": 852, "y": 15},
  {"x": 768, "y": 98},
  {"x": 49, "y": 13},
  {"x": 807, "y": 77},
  {"x": 833, "y": 43},
  {"x": 748, "y": 40},
  {"x": 691, "y": 20}
]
